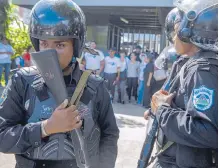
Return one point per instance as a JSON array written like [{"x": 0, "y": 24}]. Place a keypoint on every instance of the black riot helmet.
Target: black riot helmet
[
  {"x": 58, "y": 19},
  {"x": 200, "y": 23},
  {"x": 173, "y": 17}
]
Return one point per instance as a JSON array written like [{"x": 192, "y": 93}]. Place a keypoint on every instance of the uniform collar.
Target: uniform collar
[{"x": 203, "y": 54}]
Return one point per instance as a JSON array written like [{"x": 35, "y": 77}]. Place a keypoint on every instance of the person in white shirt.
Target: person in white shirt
[
  {"x": 94, "y": 62},
  {"x": 112, "y": 71},
  {"x": 123, "y": 76}
]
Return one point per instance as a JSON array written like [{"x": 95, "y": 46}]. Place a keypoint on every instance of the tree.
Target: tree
[
  {"x": 16, "y": 31},
  {"x": 4, "y": 5}
]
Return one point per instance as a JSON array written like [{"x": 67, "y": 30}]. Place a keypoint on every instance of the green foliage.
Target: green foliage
[
  {"x": 16, "y": 31},
  {"x": 6, "y": 9}
]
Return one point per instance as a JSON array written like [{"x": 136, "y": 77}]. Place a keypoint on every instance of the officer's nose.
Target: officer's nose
[{"x": 51, "y": 46}]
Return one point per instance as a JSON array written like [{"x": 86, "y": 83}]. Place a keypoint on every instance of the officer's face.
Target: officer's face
[
  {"x": 181, "y": 47},
  {"x": 64, "y": 49}
]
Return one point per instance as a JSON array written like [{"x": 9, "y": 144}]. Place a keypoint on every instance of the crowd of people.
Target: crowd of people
[
  {"x": 128, "y": 74},
  {"x": 132, "y": 74}
]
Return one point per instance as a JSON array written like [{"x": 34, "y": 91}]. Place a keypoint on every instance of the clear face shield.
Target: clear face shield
[{"x": 166, "y": 58}]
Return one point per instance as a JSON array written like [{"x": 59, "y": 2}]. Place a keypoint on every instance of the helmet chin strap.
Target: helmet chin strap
[{"x": 70, "y": 65}]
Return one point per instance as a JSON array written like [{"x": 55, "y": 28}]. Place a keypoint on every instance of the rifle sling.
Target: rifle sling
[{"x": 80, "y": 88}]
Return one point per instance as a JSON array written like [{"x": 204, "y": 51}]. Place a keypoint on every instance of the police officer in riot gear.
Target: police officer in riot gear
[
  {"x": 187, "y": 115},
  {"x": 169, "y": 60},
  {"x": 60, "y": 25},
  {"x": 173, "y": 18}
]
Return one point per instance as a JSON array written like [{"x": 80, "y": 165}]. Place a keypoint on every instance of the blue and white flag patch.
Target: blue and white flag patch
[{"x": 203, "y": 98}]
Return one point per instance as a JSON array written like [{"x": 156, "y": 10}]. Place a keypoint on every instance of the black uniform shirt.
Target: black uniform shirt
[
  {"x": 192, "y": 123},
  {"x": 17, "y": 136}
]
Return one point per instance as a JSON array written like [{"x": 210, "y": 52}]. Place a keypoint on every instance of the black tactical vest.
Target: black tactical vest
[{"x": 40, "y": 104}]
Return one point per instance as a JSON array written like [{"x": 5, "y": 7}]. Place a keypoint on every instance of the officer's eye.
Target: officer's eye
[
  {"x": 60, "y": 46},
  {"x": 43, "y": 44}
]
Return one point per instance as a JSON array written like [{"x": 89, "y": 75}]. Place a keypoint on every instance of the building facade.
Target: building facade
[{"x": 122, "y": 24}]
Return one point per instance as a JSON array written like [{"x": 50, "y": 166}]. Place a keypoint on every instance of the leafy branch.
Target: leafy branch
[{"x": 16, "y": 31}]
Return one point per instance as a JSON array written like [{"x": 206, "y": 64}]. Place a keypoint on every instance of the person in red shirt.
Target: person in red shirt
[{"x": 26, "y": 57}]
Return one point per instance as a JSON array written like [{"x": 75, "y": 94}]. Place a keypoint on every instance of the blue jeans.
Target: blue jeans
[
  {"x": 7, "y": 67},
  {"x": 140, "y": 92}
]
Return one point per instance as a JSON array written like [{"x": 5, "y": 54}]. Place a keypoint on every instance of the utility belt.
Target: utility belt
[
  {"x": 56, "y": 164},
  {"x": 23, "y": 162}
]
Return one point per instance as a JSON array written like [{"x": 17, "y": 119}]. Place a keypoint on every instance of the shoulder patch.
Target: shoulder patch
[{"x": 203, "y": 98}]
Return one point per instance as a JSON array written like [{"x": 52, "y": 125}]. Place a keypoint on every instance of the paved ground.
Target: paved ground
[{"x": 132, "y": 134}]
